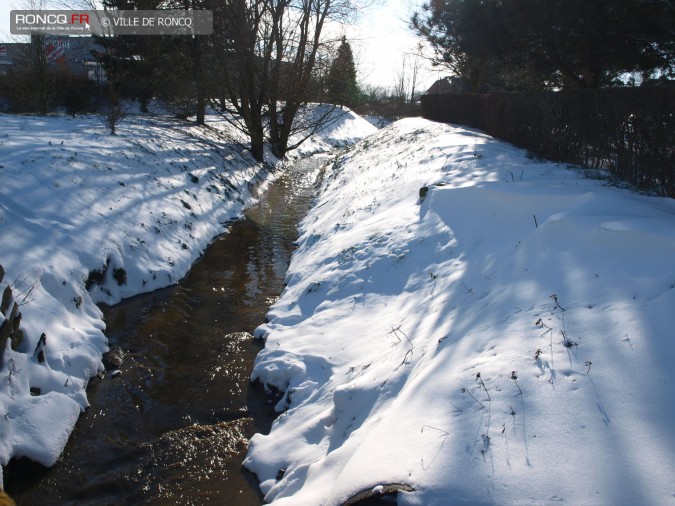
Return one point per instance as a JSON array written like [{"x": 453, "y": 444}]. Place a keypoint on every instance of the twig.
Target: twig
[
  {"x": 515, "y": 380},
  {"x": 465, "y": 391},
  {"x": 469, "y": 290},
  {"x": 19, "y": 281},
  {"x": 24, "y": 302},
  {"x": 444, "y": 436},
  {"x": 540, "y": 323},
  {"x": 551, "y": 366},
  {"x": 28, "y": 291},
  {"x": 484, "y": 387},
  {"x": 566, "y": 342},
  {"x": 506, "y": 439},
  {"x": 487, "y": 434},
  {"x": 433, "y": 286},
  {"x": 513, "y": 414},
  {"x": 396, "y": 330},
  {"x": 557, "y": 304},
  {"x": 435, "y": 428}
]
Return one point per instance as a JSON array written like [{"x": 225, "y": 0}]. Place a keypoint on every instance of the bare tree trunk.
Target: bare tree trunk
[
  {"x": 416, "y": 66},
  {"x": 257, "y": 143},
  {"x": 39, "y": 73},
  {"x": 267, "y": 50},
  {"x": 199, "y": 79}
]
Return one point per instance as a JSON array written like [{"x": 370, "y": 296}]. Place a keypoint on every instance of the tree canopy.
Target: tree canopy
[{"x": 534, "y": 44}]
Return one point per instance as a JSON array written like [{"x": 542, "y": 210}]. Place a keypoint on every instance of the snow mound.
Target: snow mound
[
  {"x": 474, "y": 325},
  {"x": 339, "y": 127}
]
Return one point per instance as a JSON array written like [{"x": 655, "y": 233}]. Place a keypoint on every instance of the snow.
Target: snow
[
  {"x": 421, "y": 339},
  {"x": 87, "y": 218},
  {"x": 480, "y": 326},
  {"x": 378, "y": 121},
  {"x": 339, "y": 127}
]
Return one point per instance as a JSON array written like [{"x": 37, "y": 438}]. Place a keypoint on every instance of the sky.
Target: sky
[{"x": 380, "y": 39}]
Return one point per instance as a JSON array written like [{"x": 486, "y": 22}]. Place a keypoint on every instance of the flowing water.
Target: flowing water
[{"x": 172, "y": 427}]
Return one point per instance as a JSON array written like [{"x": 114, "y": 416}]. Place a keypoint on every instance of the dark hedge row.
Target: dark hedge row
[{"x": 630, "y": 131}]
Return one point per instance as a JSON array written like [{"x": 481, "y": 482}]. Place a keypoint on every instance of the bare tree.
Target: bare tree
[
  {"x": 415, "y": 67},
  {"x": 407, "y": 77},
  {"x": 267, "y": 50},
  {"x": 400, "y": 84},
  {"x": 35, "y": 63},
  {"x": 33, "y": 67},
  {"x": 112, "y": 112}
]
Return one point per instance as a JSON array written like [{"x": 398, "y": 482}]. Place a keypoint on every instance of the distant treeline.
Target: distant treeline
[{"x": 629, "y": 131}]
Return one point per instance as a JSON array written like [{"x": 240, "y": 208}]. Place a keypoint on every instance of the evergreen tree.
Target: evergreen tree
[
  {"x": 169, "y": 67},
  {"x": 130, "y": 61},
  {"x": 530, "y": 44},
  {"x": 341, "y": 80}
]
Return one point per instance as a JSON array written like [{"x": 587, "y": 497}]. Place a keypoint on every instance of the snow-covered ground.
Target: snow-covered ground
[
  {"x": 339, "y": 127},
  {"x": 86, "y": 217},
  {"x": 474, "y": 325},
  {"x": 378, "y": 121}
]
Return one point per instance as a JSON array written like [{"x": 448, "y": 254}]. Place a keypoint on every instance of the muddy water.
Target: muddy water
[{"x": 171, "y": 428}]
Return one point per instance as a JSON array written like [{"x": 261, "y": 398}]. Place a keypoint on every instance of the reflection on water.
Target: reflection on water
[{"x": 172, "y": 428}]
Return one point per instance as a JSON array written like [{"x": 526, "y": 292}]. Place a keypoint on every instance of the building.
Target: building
[
  {"x": 443, "y": 85},
  {"x": 75, "y": 54}
]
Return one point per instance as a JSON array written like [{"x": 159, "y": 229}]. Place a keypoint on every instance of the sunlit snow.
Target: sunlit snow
[{"x": 478, "y": 325}]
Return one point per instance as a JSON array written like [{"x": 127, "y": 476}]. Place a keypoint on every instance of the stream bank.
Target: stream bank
[{"x": 172, "y": 425}]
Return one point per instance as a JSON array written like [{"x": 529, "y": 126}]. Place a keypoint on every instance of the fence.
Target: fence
[{"x": 630, "y": 131}]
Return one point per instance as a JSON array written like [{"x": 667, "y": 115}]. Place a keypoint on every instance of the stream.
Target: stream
[{"x": 172, "y": 426}]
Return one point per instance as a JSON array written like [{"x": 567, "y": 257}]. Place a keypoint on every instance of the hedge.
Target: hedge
[{"x": 629, "y": 131}]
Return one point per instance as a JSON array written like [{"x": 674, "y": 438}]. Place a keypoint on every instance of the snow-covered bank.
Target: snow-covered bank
[
  {"x": 338, "y": 127},
  {"x": 476, "y": 325},
  {"x": 117, "y": 214},
  {"x": 86, "y": 217}
]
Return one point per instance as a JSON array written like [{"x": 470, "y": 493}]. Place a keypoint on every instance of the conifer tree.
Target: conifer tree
[
  {"x": 515, "y": 45},
  {"x": 341, "y": 81}
]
